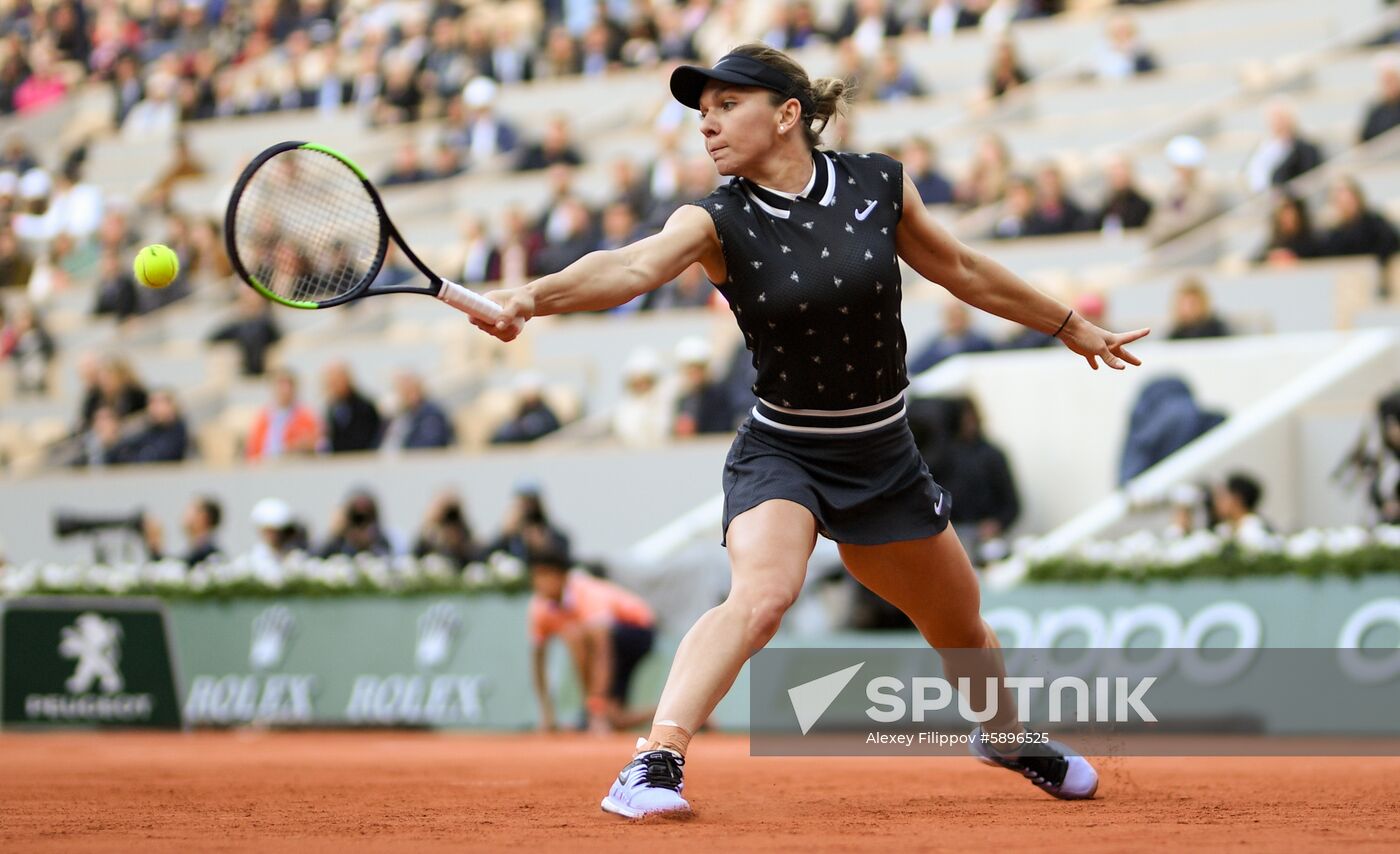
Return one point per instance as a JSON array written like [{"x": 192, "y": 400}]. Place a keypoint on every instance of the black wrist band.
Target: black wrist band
[{"x": 1062, "y": 325}]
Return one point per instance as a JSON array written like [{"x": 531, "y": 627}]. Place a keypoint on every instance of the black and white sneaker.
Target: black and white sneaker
[
  {"x": 1053, "y": 768},
  {"x": 651, "y": 784}
]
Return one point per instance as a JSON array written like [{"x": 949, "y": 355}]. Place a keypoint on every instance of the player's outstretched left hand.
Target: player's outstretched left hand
[
  {"x": 1094, "y": 343},
  {"x": 517, "y": 306}
]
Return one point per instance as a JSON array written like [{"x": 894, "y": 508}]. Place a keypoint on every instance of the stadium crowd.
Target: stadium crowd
[{"x": 444, "y": 66}]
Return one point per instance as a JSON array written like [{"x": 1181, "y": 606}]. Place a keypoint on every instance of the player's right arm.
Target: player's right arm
[
  {"x": 537, "y": 658},
  {"x": 608, "y": 278}
]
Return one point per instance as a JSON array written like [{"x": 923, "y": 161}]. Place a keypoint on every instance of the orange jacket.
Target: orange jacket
[{"x": 302, "y": 429}]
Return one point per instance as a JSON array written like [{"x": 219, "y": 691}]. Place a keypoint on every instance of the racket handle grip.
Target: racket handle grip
[{"x": 469, "y": 302}]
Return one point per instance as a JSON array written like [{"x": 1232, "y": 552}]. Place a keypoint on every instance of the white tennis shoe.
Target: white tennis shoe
[
  {"x": 1052, "y": 767},
  {"x": 651, "y": 784}
]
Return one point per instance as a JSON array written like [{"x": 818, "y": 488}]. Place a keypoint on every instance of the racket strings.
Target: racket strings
[{"x": 306, "y": 227}]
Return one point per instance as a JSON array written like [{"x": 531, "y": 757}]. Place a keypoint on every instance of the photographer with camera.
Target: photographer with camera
[
  {"x": 356, "y": 528},
  {"x": 1375, "y": 460},
  {"x": 527, "y": 526},
  {"x": 447, "y": 533},
  {"x": 200, "y": 523}
]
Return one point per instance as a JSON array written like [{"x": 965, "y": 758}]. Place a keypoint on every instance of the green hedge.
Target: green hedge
[{"x": 1230, "y": 563}]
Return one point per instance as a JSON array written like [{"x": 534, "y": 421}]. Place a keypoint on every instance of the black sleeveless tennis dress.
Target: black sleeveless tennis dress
[{"x": 814, "y": 284}]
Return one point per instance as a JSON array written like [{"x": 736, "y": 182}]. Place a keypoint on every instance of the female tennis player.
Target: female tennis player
[{"x": 805, "y": 245}]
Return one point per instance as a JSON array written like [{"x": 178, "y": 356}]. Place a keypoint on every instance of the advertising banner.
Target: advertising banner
[
  {"x": 86, "y": 662},
  {"x": 357, "y": 661}
]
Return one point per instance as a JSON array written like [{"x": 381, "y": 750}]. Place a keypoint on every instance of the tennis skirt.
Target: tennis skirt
[{"x": 865, "y": 488}]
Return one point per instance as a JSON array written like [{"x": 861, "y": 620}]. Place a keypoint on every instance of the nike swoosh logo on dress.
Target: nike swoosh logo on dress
[{"x": 869, "y": 206}]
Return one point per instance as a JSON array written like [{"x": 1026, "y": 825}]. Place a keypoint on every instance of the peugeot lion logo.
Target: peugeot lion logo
[{"x": 95, "y": 643}]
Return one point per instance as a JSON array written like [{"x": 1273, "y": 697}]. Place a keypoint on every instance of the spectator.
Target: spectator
[
  {"x": 27, "y": 344},
  {"x": 946, "y": 16},
  {"x": 957, "y": 337},
  {"x": 608, "y": 631},
  {"x": 1006, "y": 72},
  {"x": 446, "y": 533},
  {"x": 696, "y": 179},
  {"x": 1190, "y": 200},
  {"x": 517, "y": 247},
  {"x": 115, "y": 386},
  {"x": 1017, "y": 209},
  {"x": 447, "y": 162},
  {"x": 1124, "y": 206},
  {"x": 921, "y": 165},
  {"x": 1055, "y": 212},
  {"x": 893, "y": 80},
  {"x": 400, "y": 100},
  {"x": 1192, "y": 316},
  {"x": 45, "y": 85},
  {"x": 794, "y": 27},
  {"x": 31, "y": 222},
  {"x": 16, "y": 264},
  {"x": 568, "y": 234},
  {"x": 420, "y": 422},
  {"x": 511, "y": 60},
  {"x": 1290, "y": 234},
  {"x": 408, "y": 167},
  {"x": 560, "y": 56},
  {"x": 17, "y": 156},
  {"x": 528, "y": 526},
  {"x": 1186, "y": 503},
  {"x": 1384, "y": 113},
  {"x": 987, "y": 179},
  {"x": 533, "y": 417},
  {"x": 279, "y": 535},
  {"x": 976, "y": 472},
  {"x": 643, "y": 416},
  {"x": 352, "y": 421},
  {"x": 1357, "y": 230},
  {"x": 356, "y": 528},
  {"x": 480, "y": 259},
  {"x": 1165, "y": 418},
  {"x": 675, "y": 40},
  {"x": 252, "y": 329},
  {"x": 629, "y": 187},
  {"x": 1235, "y": 505},
  {"x": 702, "y": 405},
  {"x": 1384, "y": 488},
  {"x": 128, "y": 90},
  {"x": 555, "y": 147},
  {"x": 1283, "y": 155},
  {"x": 620, "y": 226},
  {"x": 163, "y": 438},
  {"x": 1122, "y": 54},
  {"x": 285, "y": 426},
  {"x": 200, "y": 522},
  {"x": 101, "y": 444},
  {"x": 116, "y": 288},
  {"x": 157, "y": 115},
  {"x": 867, "y": 23},
  {"x": 76, "y": 207}
]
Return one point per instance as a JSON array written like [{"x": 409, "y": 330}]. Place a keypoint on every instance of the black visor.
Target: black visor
[{"x": 688, "y": 81}]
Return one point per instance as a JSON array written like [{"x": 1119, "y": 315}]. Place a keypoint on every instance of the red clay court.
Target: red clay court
[{"x": 310, "y": 792}]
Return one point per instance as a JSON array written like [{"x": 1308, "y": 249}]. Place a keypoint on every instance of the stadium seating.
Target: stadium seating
[{"x": 1220, "y": 62}]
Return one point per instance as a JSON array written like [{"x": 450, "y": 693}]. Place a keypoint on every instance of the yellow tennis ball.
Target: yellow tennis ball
[{"x": 156, "y": 266}]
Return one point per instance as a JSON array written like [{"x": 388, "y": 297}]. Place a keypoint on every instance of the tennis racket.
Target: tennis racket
[{"x": 307, "y": 229}]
